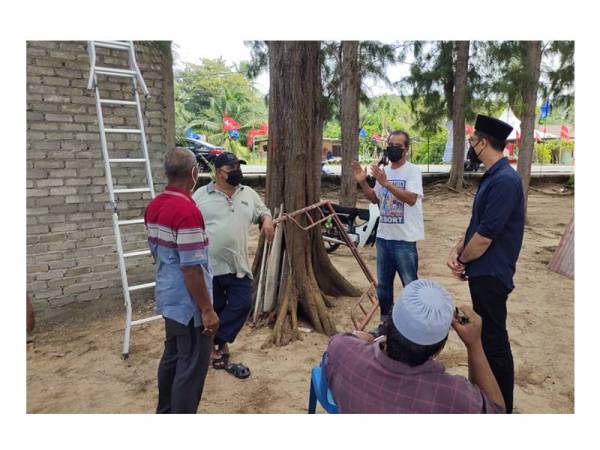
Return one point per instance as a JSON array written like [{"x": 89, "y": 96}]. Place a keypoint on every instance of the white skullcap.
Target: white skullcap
[{"x": 423, "y": 312}]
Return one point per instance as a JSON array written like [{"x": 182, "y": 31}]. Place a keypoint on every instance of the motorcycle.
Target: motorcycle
[{"x": 360, "y": 226}]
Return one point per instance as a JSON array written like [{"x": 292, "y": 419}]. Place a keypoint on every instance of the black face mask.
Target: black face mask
[
  {"x": 394, "y": 154},
  {"x": 472, "y": 155},
  {"x": 234, "y": 177}
]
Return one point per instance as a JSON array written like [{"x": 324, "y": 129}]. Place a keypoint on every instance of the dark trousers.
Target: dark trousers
[
  {"x": 182, "y": 369},
  {"x": 489, "y": 296},
  {"x": 393, "y": 257},
  {"x": 232, "y": 300}
]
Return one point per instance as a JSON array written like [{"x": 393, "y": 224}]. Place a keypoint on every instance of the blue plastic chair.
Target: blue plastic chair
[{"x": 319, "y": 390}]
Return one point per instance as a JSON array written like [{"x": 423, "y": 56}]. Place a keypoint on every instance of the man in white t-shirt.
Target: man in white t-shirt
[{"x": 399, "y": 193}]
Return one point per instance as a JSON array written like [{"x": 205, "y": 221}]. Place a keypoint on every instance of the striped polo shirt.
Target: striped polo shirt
[{"x": 177, "y": 238}]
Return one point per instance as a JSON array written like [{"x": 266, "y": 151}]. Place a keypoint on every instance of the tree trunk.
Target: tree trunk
[
  {"x": 533, "y": 57},
  {"x": 458, "y": 115},
  {"x": 349, "y": 119},
  {"x": 293, "y": 178}
]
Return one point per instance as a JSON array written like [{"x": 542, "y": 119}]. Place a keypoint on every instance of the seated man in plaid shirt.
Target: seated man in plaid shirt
[{"x": 400, "y": 375}]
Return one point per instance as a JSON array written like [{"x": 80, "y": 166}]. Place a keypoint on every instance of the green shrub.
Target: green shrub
[
  {"x": 542, "y": 153},
  {"x": 436, "y": 143},
  {"x": 550, "y": 152}
]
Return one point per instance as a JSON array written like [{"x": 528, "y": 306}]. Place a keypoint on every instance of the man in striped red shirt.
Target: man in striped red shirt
[{"x": 183, "y": 292}]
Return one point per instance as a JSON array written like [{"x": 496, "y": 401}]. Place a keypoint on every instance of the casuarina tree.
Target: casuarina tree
[{"x": 293, "y": 179}]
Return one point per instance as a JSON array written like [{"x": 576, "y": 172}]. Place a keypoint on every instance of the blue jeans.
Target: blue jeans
[{"x": 394, "y": 257}]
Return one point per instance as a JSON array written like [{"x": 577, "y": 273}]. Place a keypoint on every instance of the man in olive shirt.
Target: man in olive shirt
[{"x": 229, "y": 209}]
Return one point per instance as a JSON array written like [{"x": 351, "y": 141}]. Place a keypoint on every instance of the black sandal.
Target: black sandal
[
  {"x": 221, "y": 362},
  {"x": 238, "y": 370}
]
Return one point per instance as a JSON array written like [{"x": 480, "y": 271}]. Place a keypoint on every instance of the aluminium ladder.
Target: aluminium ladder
[{"x": 133, "y": 73}]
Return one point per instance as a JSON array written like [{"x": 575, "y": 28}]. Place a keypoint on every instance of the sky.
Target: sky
[{"x": 234, "y": 51}]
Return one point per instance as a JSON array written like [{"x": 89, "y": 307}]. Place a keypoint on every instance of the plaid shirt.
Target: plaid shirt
[{"x": 363, "y": 379}]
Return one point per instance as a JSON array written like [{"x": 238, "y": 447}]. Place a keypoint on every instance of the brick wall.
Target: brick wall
[{"x": 71, "y": 253}]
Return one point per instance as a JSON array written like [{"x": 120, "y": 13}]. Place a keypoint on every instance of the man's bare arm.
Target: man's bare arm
[
  {"x": 401, "y": 194},
  {"x": 360, "y": 175},
  {"x": 476, "y": 247},
  {"x": 369, "y": 192}
]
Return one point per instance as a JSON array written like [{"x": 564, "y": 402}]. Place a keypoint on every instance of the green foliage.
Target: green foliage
[
  {"x": 431, "y": 82},
  {"x": 259, "y": 58},
  {"x": 561, "y": 80},
  {"x": 436, "y": 143},
  {"x": 247, "y": 113},
  {"x": 386, "y": 113},
  {"x": 197, "y": 84},
  {"x": 551, "y": 152},
  {"x": 373, "y": 58},
  {"x": 504, "y": 61},
  {"x": 495, "y": 78},
  {"x": 237, "y": 149},
  {"x": 542, "y": 154},
  {"x": 159, "y": 48},
  {"x": 182, "y": 118},
  {"x": 205, "y": 92},
  {"x": 505, "y": 76},
  {"x": 332, "y": 129},
  {"x": 430, "y": 85}
]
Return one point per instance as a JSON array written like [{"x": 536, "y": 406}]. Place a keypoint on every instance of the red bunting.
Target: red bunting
[
  {"x": 564, "y": 133},
  {"x": 230, "y": 124},
  {"x": 254, "y": 132}
]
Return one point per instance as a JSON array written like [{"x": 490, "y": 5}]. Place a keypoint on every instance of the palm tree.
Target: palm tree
[{"x": 234, "y": 104}]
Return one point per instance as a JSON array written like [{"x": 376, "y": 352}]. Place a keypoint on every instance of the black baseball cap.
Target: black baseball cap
[{"x": 227, "y": 158}]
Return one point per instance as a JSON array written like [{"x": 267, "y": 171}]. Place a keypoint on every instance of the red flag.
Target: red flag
[
  {"x": 264, "y": 128},
  {"x": 375, "y": 137},
  {"x": 230, "y": 124},
  {"x": 469, "y": 129},
  {"x": 564, "y": 133},
  {"x": 251, "y": 135}
]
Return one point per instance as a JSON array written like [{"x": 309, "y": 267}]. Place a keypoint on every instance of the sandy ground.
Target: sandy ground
[{"x": 76, "y": 367}]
